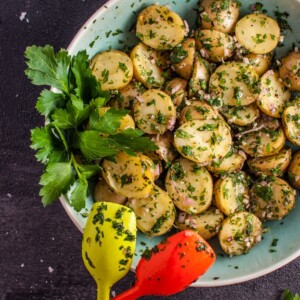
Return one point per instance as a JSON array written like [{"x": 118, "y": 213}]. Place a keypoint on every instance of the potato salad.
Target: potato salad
[{"x": 220, "y": 110}]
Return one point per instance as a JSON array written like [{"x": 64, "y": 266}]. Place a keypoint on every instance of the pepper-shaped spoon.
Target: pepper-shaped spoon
[
  {"x": 171, "y": 266},
  {"x": 108, "y": 244}
]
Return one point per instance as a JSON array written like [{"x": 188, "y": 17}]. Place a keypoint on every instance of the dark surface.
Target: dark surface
[{"x": 37, "y": 240}]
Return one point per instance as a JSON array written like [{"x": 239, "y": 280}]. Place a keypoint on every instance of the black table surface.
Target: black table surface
[{"x": 40, "y": 248}]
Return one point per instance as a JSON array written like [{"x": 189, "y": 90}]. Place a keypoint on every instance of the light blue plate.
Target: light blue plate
[{"x": 111, "y": 27}]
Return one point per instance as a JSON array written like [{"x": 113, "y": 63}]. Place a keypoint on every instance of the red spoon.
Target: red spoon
[{"x": 171, "y": 266}]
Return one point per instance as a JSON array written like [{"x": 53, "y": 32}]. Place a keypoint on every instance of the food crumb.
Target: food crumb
[
  {"x": 22, "y": 265},
  {"x": 113, "y": 293},
  {"x": 9, "y": 195},
  {"x": 23, "y": 15},
  {"x": 41, "y": 260},
  {"x": 50, "y": 269}
]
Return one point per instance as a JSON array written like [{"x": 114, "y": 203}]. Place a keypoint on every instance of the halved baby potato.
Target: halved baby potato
[
  {"x": 112, "y": 68},
  {"x": 154, "y": 112},
  {"x": 182, "y": 58},
  {"x": 148, "y": 65},
  {"x": 263, "y": 141},
  {"x": 259, "y": 62},
  {"x": 219, "y": 15},
  {"x": 233, "y": 161},
  {"x": 207, "y": 223},
  {"x": 240, "y": 115},
  {"x": 214, "y": 45},
  {"x": 104, "y": 193},
  {"x": 128, "y": 176},
  {"x": 231, "y": 193},
  {"x": 272, "y": 198},
  {"x": 258, "y": 33},
  {"x": 203, "y": 141},
  {"x": 126, "y": 96},
  {"x": 176, "y": 89},
  {"x": 235, "y": 84},
  {"x": 289, "y": 71},
  {"x": 291, "y": 122},
  {"x": 239, "y": 233},
  {"x": 159, "y": 27},
  {"x": 294, "y": 170},
  {"x": 166, "y": 150},
  {"x": 189, "y": 185},
  {"x": 273, "y": 96},
  {"x": 155, "y": 214},
  {"x": 200, "y": 76},
  {"x": 271, "y": 165},
  {"x": 198, "y": 110}
]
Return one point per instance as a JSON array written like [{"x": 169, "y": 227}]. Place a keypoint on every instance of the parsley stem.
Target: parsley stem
[
  {"x": 75, "y": 165},
  {"x": 62, "y": 137}
]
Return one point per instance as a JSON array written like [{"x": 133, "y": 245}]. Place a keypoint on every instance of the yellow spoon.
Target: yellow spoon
[{"x": 108, "y": 244}]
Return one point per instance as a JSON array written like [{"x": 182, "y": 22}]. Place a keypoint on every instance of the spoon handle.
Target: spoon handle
[
  {"x": 103, "y": 292},
  {"x": 131, "y": 294}
]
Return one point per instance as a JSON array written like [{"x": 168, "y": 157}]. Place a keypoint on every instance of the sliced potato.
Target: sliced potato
[
  {"x": 125, "y": 97},
  {"x": 103, "y": 192},
  {"x": 166, "y": 150},
  {"x": 219, "y": 15},
  {"x": 190, "y": 186},
  {"x": 159, "y": 27},
  {"x": 240, "y": 115},
  {"x": 176, "y": 89},
  {"x": 182, "y": 58},
  {"x": 239, "y": 233},
  {"x": 294, "y": 170},
  {"x": 154, "y": 167},
  {"x": 128, "y": 176},
  {"x": 272, "y": 198},
  {"x": 155, "y": 112},
  {"x": 112, "y": 68},
  {"x": 289, "y": 71},
  {"x": 200, "y": 76},
  {"x": 291, "y": 122},
  {"x": 260, "y": 62},
  {"x": 198, "y": 110},
  {"x": 207, "y": 223},
  {"x": 272, "y": 165},
  {"x": 155, "y": 214},
  {"x": 236, "y": 84},
  {"x": 214, "y": 45},
  {"x": 147, "y": 66},
  {"x": 258, "y": 33},
  {"x": 273, "y": 96},
  {"x": 233, "y": 161},
  {"x": 262, "y": 141},
  {"x": 203, "y": 140},
  {"x": 231, "y": 193}
]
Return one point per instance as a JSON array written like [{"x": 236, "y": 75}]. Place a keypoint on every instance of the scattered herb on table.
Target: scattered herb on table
[
  {"x": 75, "y": 137},
  {"x": 287, "y": 295}
]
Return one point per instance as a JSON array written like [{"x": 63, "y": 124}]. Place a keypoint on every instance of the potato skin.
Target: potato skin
[
  {"x": 294, "y": 170},
  {"x": 290, "y": 71}
]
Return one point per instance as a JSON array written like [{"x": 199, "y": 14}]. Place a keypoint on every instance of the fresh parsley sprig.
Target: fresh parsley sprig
[{"x": 66, "y": 135}]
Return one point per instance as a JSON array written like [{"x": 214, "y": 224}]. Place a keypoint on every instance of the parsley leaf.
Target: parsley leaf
[
  {"x": 93, "y": 146},
  {"x": 48, "y": 68},
  {"x": 131, "y": 141},
  {"x": 109, "y": 122},
  {"x": 56, "y": 181},
  {"x": 42, "y": 141},
  {"x": 78, "y": 195},
  {"x": 287, "y": 295},
  {"x": 48, "y": 101}
]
